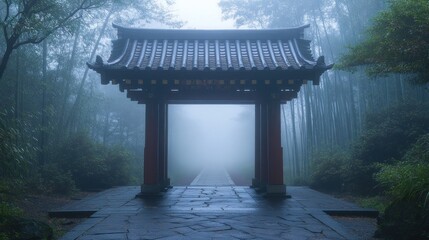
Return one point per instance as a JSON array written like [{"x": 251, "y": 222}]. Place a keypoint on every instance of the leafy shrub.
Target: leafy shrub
[
  {"x": 13, "y": 157},
  {"x": 57, "y": 181},
  {"x": 327, "y": 174},
  {"x": 390, "y": 133},
  {"x": 420, "y": 150},
  {"x": 8, "y": 210},
  {"x": 358, "y": 178},
  {"x": 387, "y": 136},
  {"x": 335, "y": 171},
  {"x": 18, "y": 228},
  {"x": 409, "y": 178},
  {"x": 118, "y": 161},
  {"x": 377, "y": 202},
  {"x": 93, "y": 166},
  {"x": 404, "y": 220},
  {"x": 407, "y": 184},
  {"x": 405, "y": 180}
]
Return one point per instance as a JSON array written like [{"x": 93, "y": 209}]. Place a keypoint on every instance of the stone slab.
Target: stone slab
[
  {"x": 212, "y": 208},
  {"x": 219, "y": 214}
]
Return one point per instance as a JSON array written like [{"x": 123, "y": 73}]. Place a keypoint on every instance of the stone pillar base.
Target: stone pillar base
[
  {"x": 276, "y": 191},
  {"x": 260, "y": 188},
  {"x": 150, "y": 191},
  {"x": 255, "y": 183},
  {"x": 167, "y": 185}
]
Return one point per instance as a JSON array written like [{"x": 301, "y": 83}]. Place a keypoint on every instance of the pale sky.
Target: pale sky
[
  {"x": 201, "y": 14},
  {"x": 206, "y": 14}
]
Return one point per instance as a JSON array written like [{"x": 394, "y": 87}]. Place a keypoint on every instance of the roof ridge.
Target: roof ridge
[
  {"x": 210, "y": 34},
  {"x": 118, "y": 26}
]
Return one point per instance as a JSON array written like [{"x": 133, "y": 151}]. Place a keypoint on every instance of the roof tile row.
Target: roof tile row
[{"x": 210, "y": 55}]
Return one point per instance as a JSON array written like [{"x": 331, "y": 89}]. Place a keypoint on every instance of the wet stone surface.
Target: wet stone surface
[{"x": 210, "y": 212}]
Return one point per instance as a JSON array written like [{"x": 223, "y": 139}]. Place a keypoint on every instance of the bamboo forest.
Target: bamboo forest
[{"x": 353, "y": 117}]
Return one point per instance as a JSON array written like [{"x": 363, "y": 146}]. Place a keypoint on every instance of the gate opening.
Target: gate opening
[{"x": 211, "y": 137}]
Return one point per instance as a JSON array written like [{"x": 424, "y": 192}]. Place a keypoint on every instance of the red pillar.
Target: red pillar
[
  {"x": 151, "y": 183},
  {"x": 275, "y": 184}
]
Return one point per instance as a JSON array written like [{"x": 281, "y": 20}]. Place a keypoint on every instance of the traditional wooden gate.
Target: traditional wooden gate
[{"x": 262, "y": 67}]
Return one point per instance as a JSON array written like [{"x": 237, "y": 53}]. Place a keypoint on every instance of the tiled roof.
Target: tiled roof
[
  {"x": 210, "y": 50},
  {"x": 210, "y": 65}
]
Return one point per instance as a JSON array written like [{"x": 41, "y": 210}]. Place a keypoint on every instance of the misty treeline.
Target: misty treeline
[
  {"x": 58, "y": 128},
  {"x": 365, "y": 130},
  {"x": 356, "y": 133}
]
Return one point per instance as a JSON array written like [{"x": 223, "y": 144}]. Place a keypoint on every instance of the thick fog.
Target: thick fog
[{"x": 210, "y": 136}]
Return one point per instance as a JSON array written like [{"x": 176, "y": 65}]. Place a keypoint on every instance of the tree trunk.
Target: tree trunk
[
  {"x": 82, "y": 81},
  {"x": 61, "y": 127},
  {"x": 43, "y": 107}
]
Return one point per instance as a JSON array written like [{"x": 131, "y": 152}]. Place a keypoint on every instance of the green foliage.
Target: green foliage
[
  {"x": 118, "y": 161},
  {"x": 389, "y": 133},
  {"x": 16, "y": 155},
  {"x": 407, "y": 184},
  {"x": 334, "y": 171},
  {"x": 405, "y": 180},
  {"x": 397, "y": 42},
  {"x": 404, "y": 220},
  {"x": 80, "y": 155},
  {"x": 30, "y": 22},
  {"x": 8, "y": 210},
  {"x": 37, "y": 19},
  {"x": 419, "y": 151},
  {"x": 93, "y": 166},
  {"x": 358, "y": 178},
  {"x": 397, "y": 133},
  {"x": 56, "y": 180},
  {"x": 13, "y": 156},
  {"x": 387, "y": 136},
  {"x": 3, "y": 236},
  {"x": 408, "y": 179},
  {"x": 18, "y": 228},
  {"x": 376, "y": 202},
  {"x": 328, "y": 171}
]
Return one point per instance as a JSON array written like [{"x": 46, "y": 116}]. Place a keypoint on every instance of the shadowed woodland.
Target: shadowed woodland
[{"x": 363, "y": 133}]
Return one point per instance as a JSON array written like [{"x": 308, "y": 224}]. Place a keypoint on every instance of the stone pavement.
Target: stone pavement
[
  {"x": 211, "y": 212},
  {"x": 213, "y": 176}
]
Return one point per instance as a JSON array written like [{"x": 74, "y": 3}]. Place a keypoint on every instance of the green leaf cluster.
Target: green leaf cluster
[
  {"x": 409, "y": 178},
  {"x": 389, "y": 136},
  {"x": 33, "y": 21},
  {"x": 407, "y": 184},
  {"x": 335, "y": 171},
  {"x": 397, "y": 42},
  {"x": 15, "y": 157},
  {"x": 405, "y": 180},
  {"x": 328, "y": 170},
  {"x": 389, "y": 133},
  {"x": 93, "y": 166}
]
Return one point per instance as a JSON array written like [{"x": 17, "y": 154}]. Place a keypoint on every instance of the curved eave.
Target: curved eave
[
  {"x": 100, "y": 66},
  {"x": 117, "y": 74}
]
